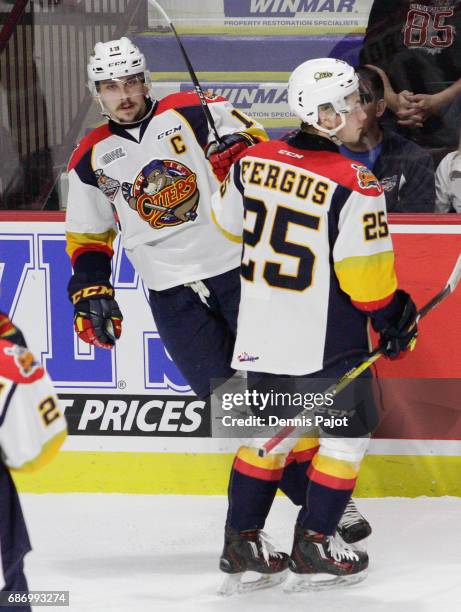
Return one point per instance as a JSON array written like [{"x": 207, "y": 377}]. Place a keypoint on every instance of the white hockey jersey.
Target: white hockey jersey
[
  {"x": 32, "y": 427},
  {"x": 317, "y": 254},
  {"x": 157, "y": 184}
]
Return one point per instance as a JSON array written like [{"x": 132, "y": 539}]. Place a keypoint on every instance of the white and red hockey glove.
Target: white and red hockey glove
[{"x": 223, "y": 154}]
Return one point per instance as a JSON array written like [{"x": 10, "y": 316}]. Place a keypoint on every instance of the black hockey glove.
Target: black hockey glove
[
  {"x": 97, "y": 317},
  {"x": 9, "y": 331},
  {"x": 402, "y": 333},
  {"x": 223, "y": 154}
]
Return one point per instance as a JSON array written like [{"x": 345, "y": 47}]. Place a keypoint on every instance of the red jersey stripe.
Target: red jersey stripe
[
  {"x": 376, "y": 305},
  {"x": 184, "y": 98},
  {"x": 91, "y": 248},
  {"x": 87, "y": 142}
]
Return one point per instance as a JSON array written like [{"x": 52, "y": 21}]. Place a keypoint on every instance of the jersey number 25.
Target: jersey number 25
[{"x": 278, "y": 240}]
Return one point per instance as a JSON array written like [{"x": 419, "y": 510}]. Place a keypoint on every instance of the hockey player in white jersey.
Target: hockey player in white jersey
[
  {"x": 32, "y": 429},
  {"x": 317, "y": 264},
  {"x": 150, "y": 172}
]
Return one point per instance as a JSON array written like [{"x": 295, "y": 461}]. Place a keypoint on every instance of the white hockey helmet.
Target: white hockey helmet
[
  {"x": 113, "y": 60},
  {"x": 318, "y": 82}
]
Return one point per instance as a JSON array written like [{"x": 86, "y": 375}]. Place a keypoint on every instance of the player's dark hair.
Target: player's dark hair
[{"x": 372, "y": 81}]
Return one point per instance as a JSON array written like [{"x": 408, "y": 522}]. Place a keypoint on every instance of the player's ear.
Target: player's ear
[{"x": 380, "y": 108}]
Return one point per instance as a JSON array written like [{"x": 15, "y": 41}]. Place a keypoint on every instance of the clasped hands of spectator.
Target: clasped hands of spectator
[{"x": 411, "y": 109}]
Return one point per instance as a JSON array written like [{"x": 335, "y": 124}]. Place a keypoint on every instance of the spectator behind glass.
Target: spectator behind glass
[
  {"x": 404, "y": 169},
  {"x": 448, "y": 184},
  {"x": 417, "y": 46}
]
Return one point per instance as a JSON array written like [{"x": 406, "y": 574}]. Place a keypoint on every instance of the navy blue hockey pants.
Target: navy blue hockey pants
[
  {"x": 200, "y": 338},
  {"x": 14, "y": 540}
]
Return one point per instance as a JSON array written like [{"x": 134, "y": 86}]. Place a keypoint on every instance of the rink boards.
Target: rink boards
[
  {"x": 264, "y": 17},
  {"x": 136, "y": 427}
]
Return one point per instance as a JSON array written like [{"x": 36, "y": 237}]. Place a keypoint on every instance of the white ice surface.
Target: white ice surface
[{"x": 154, "y": 553}]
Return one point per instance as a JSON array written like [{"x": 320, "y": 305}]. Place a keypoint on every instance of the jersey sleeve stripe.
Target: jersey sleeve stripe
[
  {"x": 6, "y": 326},
  {"x": 228, "y": 235},
  {"x": 376, "y": 305},
  {"x": 367, "y": 279},
  {"x": 49, "y": 451},
  {"x": 82, "y": 243},
  {"x": 256, "y": 134}
]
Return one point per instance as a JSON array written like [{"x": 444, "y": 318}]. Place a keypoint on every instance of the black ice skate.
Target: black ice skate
[
  {"x": 322, "y": 562},
  {"x": 250, "y": 551},
  {"x": 353, "y": 527}
]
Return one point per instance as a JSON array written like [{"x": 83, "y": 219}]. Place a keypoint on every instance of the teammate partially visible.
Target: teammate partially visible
[
  {"x": 149, "y": 172},
  {"x": 317, "y": 262},
  {"x": 32, "y": 430}
]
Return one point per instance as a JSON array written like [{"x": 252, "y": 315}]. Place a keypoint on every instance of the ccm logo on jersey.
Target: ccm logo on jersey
[
  {"x": 366, "y": 178},
  {"x": 290, "y": 154},
  {"x": 169, "y": 132},
  {"x": 136, "y": 415}
]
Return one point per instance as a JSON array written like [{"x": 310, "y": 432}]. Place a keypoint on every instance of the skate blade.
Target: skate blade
[
  {"x": 234, "y": 584},
  {"x": 297, "y": 583},
  {"x": 361, "y": 545}
]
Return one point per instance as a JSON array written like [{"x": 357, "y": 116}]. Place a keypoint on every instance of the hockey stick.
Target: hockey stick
[
  {"x": 193, "y": 76},
  {"x": 189, "y": 215},
  {"x": 353, "y": 373}
]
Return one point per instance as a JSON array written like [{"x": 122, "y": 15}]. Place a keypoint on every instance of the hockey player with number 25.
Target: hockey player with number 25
[
  {"x": 151, "y": 171},
  {"x": 156, "y": 164},
  {"x": 317, "y": 263}
]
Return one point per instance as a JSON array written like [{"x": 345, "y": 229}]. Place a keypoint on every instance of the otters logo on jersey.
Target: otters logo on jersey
[
  {"x": 164, "y": 193},
  {"x": 23, "y": 361},
  {"x": 366, "y": 178}
]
